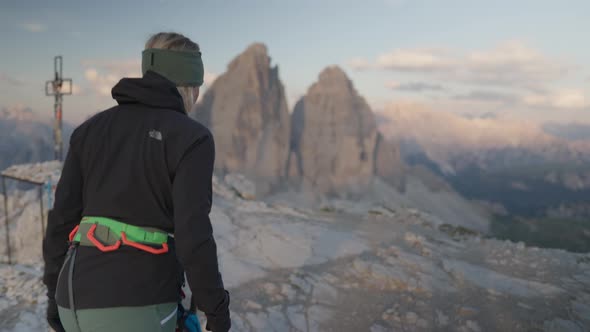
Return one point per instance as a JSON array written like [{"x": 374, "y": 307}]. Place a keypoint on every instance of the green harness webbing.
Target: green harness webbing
[{"x": 108, "y": 231}]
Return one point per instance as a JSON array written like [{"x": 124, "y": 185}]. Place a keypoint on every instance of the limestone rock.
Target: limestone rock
[
  {"x": 334, "y": 135},
  {"x": 388, "y": 162},
  {"x": 245, "y": 188},
  {"x": 246, "y": 110}
]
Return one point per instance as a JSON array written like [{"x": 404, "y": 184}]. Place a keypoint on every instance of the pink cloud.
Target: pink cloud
[
  {"x": 33, "y": 27},
  {"x": 510, "y": 63}
]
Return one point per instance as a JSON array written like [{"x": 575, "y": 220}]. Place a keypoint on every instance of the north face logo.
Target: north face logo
[{"x": 155, "y": 134}]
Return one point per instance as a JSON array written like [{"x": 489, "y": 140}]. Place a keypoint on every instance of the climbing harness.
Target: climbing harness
[{"x": 109, "y": 235}]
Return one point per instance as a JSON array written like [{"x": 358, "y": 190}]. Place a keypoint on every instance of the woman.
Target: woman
[{"x": 132, "y": 206}]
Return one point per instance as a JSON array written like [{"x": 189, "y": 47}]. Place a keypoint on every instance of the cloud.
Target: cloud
[
  {"x": 33, "y": 27},
  {"x": 392, "y": 85},
  {"x": 408, "y": 60},
  {"x": 359, "y": 64},
  {"x": 564, "y": 98},
  {"x": 101, "y": 83},
  {"x": 91, "y": 74},
  {"x": 121, "y": 67},
  {"x": 572, "y": 99},
  {"x": 415, "y": 86},
  {"x": 414, "y": 60},
  {"x": 486, "y": 116},
  {"x": 102, "y": 75},
  {"x": 11, "y": 80},
  {"x": 510, "y": 63},
  {"x": 77, "y": 90},
  {"x": 513, "y": 63},
  {"x": 489, "y": 96}
]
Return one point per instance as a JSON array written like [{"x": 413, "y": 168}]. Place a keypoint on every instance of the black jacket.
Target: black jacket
[{"x": 146, "y": 163}]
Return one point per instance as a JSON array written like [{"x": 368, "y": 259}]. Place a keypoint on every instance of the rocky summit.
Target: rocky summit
[
  {"x": 334, "y": 136},
  {"x": 246, "y": 110},
  {"x": 349, "y": 268}
]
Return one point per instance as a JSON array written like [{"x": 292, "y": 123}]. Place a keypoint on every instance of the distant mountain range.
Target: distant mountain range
[
  {"x": 519, "y": 166},
  {"x": 570, "y": 131},
  {"x": 26, "y": 137}
]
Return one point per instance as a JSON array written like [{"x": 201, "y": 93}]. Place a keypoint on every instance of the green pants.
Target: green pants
[{"x": 152, "y": 318}]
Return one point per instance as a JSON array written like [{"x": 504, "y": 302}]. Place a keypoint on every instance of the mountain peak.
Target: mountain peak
[
  {"x": 333, "y": 74},
  {"x": 18, "y": 112},
  {"x": 333, "y": 78},
  {"x": 334, "y": 136},
  {"x": 254, "y": 57},
  {"x": 256, "y": 49},
  {"x": 247, "y": 112}
]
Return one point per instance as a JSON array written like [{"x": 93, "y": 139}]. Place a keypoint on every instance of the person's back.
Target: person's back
[{"x": 142, "y": 163}]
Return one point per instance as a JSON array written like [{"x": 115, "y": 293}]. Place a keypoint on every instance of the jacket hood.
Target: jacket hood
[{"x": 152, "y": 89}]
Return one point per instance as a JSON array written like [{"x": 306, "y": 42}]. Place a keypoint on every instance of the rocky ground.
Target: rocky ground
[{"x": 385, "y": 269}]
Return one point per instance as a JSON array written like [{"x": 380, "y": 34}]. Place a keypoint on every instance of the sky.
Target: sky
[{"x": 526, "y": 60}]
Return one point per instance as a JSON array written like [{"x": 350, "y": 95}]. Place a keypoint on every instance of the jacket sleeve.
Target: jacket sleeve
[
  {"x": 195, "y": 245},
  {"x": 64, "y": 216}
]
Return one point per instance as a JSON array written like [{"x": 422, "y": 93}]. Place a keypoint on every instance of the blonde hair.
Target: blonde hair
[{"x": 177, "y": 42}]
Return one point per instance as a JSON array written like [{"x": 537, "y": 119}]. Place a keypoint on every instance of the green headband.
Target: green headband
[{"x": 181, "y": 67}]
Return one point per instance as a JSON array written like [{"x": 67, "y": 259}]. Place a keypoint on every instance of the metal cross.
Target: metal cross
[{"x": 56, "y": 88}]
